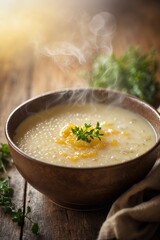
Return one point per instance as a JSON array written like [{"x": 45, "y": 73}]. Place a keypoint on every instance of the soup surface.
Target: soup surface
[{"x": 112, "y": 135}]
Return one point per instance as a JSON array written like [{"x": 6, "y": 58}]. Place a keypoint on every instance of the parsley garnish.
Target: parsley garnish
[
  {"x": 87, "y": 133},
  {"x": 6, "y": 193}
]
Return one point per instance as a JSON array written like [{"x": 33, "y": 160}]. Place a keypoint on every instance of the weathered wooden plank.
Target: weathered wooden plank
[
  {"x": 57, "y": 223},
  {"x": 13, "y": 90},
  {"x": 48, "y": 77}
]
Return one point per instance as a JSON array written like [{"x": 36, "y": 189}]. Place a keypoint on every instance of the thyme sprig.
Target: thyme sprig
[
  {"x": 87, "y": 133},
  {"x": 6, "y": 193}
]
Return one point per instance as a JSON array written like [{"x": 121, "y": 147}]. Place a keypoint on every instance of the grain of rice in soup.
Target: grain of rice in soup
[{"x": 50, "y": 135}]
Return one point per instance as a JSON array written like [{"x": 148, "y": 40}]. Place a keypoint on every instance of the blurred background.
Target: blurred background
[
  {"x": 43, "y": 43},
  {"x": 76, "y": 29}
]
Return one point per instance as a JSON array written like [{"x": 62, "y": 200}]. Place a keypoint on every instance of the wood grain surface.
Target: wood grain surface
[{"x": 137, "y": 24}]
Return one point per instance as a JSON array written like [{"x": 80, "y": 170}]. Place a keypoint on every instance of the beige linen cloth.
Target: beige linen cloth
[{"x": 136, "y": 214}]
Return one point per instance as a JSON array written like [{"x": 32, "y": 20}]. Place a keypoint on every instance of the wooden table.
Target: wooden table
[{"x": 137, "y": 24}]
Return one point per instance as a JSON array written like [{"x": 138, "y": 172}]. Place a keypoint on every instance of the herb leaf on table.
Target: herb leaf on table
[{"x": 6, "y": 193}]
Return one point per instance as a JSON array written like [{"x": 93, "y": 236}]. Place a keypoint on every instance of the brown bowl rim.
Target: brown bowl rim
[{"x": 72, "y": 167}]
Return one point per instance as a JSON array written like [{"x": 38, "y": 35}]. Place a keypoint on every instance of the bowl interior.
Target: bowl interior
[{"x": 51, "y": 99}]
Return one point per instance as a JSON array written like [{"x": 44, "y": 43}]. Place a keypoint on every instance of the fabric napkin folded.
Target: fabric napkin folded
[{"x": 136, "y": 214}]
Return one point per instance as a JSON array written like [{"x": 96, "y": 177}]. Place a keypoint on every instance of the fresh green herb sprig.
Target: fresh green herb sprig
[
  {"x": 6, "y": 194},
  {"x": 87, "y": 133},
  {"x": 132, "y": 72},
  {"x": 4, "y": 156}
]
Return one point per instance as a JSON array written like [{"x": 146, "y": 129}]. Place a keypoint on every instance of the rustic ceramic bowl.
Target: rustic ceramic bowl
[{"x": 82, "y": 188}]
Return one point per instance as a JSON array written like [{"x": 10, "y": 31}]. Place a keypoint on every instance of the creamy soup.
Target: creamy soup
[{"x": 113, "y": 135}]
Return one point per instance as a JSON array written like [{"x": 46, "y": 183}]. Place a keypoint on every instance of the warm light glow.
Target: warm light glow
[
  {"x": 59, "y": 31},
  {"x": 21, "y": 26}
]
